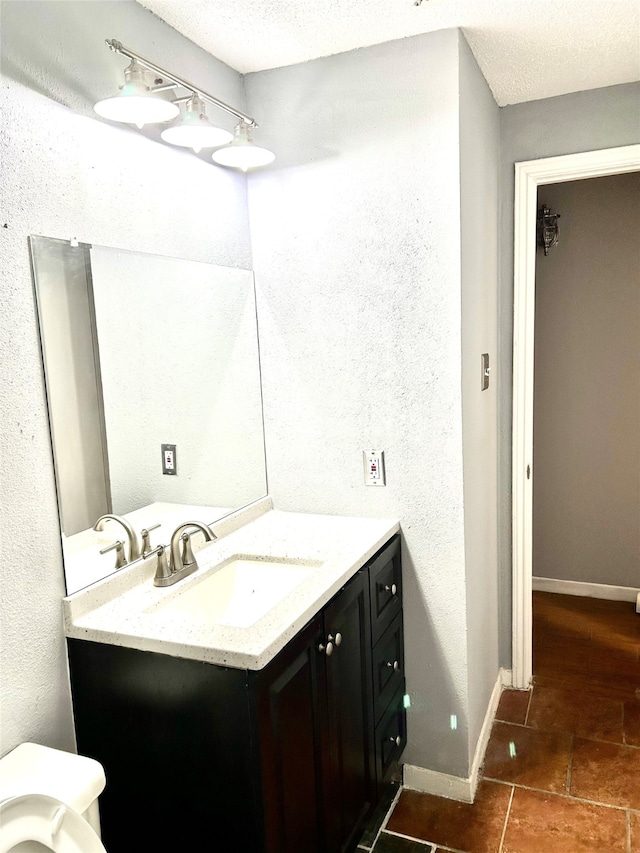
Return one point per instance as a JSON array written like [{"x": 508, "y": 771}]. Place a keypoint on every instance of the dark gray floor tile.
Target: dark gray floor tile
[
  {"x": 388, "y": 843},
  {"x": 372, "y": 828}
]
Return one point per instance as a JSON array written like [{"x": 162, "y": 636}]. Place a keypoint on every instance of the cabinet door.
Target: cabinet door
[
  {"x": 292, "y": 717},
  {"x": 349, "y": 780},
  {"x": 175, "y": 741}
]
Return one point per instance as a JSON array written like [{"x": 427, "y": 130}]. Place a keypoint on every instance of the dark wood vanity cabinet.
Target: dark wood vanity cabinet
[
  {"x": 316, "y": 727},
  {"x": 288, "y": 759}
]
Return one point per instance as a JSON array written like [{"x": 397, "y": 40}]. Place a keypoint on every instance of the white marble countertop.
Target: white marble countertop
[{"x": 126, "y": 609}]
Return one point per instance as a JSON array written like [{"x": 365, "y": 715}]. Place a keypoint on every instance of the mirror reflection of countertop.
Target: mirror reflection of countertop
[
  {"x": 83, "y": 562},
  {"x": 126, "y": 609}
]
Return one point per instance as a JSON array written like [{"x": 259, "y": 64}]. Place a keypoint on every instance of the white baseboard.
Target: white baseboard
[
  {"x": 457, "y": 787},
  {"x": 588, "y": 590},
  {"x": 506, "y": 676},
  {"x": 439, "y": 784}
]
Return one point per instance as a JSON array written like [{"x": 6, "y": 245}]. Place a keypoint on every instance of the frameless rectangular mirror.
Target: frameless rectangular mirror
[{"x": 141, "y": 351}]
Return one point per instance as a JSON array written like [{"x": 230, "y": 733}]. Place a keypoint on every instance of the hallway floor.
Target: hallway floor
[{"x": 562, "y": 767}]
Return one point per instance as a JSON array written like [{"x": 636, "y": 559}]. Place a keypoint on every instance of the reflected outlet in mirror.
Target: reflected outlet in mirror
[{"x": 139, "y": 351}]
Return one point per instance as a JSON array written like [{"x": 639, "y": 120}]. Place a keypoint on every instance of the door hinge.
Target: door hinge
[{"x": 528, "y": 472}]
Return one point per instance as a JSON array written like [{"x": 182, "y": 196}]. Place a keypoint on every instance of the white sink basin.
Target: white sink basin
[{"x": 239, "y": 591}]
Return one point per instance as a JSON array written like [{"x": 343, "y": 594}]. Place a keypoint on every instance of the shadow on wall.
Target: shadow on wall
[
  {"x": 28, "y": 35},
  {"x": 436, "y": 706},
  {"x": 58, "y": 50},
  {"x": 372, "y": 99}
]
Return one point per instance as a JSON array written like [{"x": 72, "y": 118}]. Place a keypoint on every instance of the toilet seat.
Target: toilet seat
[{"x": 36, "y": 817}]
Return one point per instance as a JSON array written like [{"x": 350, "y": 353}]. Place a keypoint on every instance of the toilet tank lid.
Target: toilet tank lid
[{"x": 35, "y": 769}]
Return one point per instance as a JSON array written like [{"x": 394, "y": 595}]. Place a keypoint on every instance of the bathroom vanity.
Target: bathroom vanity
[{"x": 279, "y": 735}]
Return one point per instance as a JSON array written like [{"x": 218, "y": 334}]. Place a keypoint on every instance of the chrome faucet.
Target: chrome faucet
[
  {"x": 186, "y": 560},
  {"x": 134, "y": 547},
  {"x": 180, "y": 565}
]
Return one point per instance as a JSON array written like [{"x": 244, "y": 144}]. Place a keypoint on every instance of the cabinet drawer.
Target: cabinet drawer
[
  {"x": 391, "y": 737},
  {"x": 385, "y": 578},
  {"x": 388, "y": 666}
]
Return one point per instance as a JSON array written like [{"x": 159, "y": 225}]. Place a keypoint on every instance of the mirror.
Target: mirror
[{"x": 141, "y": 351}]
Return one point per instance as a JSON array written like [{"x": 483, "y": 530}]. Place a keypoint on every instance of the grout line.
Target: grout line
[
  {"x": 426, "y": 844},
  {"x": 526, "y": 716},
  {"x": 506, "y": 819},
  {"x": 564, "y": 796},
  {"x": 386, "y": 818},
  {"x": 570, "y": 765},
  {"x": 390, "y": 809},
  {"x": 559, "y": 730},
  {"x": 628, "y": 832}
]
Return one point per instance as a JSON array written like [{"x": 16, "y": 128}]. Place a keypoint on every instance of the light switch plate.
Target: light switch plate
[
  {"x": 484, "y": 362},
  {"x": 374, "y": 474}
]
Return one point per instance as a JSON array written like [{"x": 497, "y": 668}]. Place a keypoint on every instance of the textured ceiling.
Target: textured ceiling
[{"x": 526, "y": 50}]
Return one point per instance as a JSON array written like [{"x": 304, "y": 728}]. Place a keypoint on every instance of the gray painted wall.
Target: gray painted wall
[
  {"x": 66, "y": 174},
  {"x": 356, "y": 239},
  {"x": 370, "y": 192},
  {"x": 586, "y": 491},
  {"x": 479, "y": 158},
  {"x": 584, "y": 121}
]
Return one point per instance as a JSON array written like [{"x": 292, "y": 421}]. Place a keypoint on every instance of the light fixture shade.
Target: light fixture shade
[
  {"x": 194, "y": 130},
  {"x": 243, "y": 153},
  {"x": 136, "y": 104}
]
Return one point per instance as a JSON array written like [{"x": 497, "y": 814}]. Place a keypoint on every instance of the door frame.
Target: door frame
[{"x": 529, "y": 175}]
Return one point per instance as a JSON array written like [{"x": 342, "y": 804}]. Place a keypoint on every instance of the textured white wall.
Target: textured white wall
[
  {"x": 584, "y": 121},
  {"x": 66, "y": 175},
  {"x": 356, "y": 245},
  {"x": 479, "y": 160},
  {"x": 196, "y": 383}
]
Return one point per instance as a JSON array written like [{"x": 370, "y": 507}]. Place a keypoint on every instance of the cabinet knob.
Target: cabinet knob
[
  {"x": 336, "y": 640},
  {"x": 394, "y": 665},
  {"x": 397, "y": 740},
  {"x": 392, "y": 589},
  {"x": 328, "y": 649}
]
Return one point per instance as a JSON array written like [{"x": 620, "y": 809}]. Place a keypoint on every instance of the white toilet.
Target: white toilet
[{"x": 49, "y": 801}]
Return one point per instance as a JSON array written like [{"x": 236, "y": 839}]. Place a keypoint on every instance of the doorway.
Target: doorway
[{"x": 528, "y": 177}]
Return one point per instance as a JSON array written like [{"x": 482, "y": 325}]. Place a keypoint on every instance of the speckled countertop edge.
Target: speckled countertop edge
[{"x": 126, "y": 609}]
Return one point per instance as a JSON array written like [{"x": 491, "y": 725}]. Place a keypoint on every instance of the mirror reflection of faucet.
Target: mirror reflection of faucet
[
  {"x": 146, "y": 538},
  {"x": 182, "y": 561},
  {"x": 121, "y": 560},
  {"x": 134, "y": 546}
]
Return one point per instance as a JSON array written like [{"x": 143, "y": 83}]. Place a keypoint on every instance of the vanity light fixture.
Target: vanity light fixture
[
  {"x": 140, "y": 102},
  {"x": 137, "y": 103},
  {"x": 194, "y": 130},
  {"x": 243, "y": 153}
]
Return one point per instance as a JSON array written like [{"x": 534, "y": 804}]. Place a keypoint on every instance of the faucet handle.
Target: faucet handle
[
  {"x": 162, "y": 569},
  {"x": 146, "y": 539},
  {"x": 188, "y": 557},
  {"x": 121, "y": 560}
]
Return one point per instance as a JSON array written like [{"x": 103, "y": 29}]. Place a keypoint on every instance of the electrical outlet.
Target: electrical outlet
[
  {"x": 169, "y": 459},
  {"x": 374, "y": 474}
]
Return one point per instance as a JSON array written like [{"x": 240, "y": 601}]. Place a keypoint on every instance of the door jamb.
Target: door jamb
[{"x": 529, "y": 175}]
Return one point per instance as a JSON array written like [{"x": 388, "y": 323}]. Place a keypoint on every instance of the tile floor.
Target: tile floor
[{"x": 562, "y": 767}]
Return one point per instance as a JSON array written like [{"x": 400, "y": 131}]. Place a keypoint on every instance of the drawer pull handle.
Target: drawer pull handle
[
  {"x": 394, "y": 665},
  {"x": 336, "y": 640},
  {"x": 397, "y": 740},
  {"x": 393, "y": 589},
  {"x": 328, "y": 649}
]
